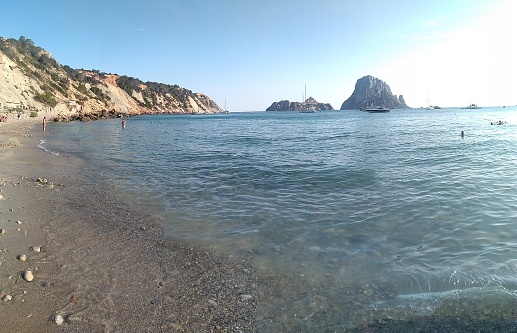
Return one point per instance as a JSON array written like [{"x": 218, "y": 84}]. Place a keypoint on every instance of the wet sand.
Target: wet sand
[{"x": 103, "y": 267}]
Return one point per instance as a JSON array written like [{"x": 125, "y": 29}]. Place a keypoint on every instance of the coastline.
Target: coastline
[{"x": 103, "y": 267}]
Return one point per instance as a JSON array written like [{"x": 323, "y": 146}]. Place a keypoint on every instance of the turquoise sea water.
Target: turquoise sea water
[{"x": 397, "y": 206}]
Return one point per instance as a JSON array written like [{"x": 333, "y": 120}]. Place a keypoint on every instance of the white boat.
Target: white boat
[
  {"x": 472, "y": 106},
  {"x": 374, "y": 109},
  {"x": 225, "y": 111},
  {"x": 378, "y": 109},
  {"x": 305, "y": 109}
]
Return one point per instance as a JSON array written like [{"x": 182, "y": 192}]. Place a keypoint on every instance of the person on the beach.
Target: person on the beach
[
  {"x": 123, "y": 123},
  {"x": 44, "y": 124}
]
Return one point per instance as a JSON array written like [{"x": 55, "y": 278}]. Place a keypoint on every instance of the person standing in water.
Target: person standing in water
[
  {"x": 462, "y": 134},
  {"x": 44, "y": 124},
  {"x": 123, "y": 123}
]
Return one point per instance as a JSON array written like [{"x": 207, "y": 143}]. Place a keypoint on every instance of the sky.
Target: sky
[{"x": 251, "y": 53}]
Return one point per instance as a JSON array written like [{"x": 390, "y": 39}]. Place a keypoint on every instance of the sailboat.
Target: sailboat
[
  {"x": 305, "y": 109},
  {"x": 225, "y": 111},
  {"x": 429, "y": 106}
]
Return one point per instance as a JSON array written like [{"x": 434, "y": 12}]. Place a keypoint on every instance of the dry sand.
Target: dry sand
[{"x": 102, "y": 267}]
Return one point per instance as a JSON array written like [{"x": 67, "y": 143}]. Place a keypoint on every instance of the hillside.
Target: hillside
[
  {"x": 32, "y": 82},
  {"x": 371, "y": 92}
]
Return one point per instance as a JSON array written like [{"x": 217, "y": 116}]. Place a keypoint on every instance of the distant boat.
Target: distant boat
[
  {"x": 378, "y": 109},
  {"x": 429, "y": 106},
  {"x": 225, "y": 111},
  {"x": 472, "y": 106},
  {"x": 305, "y": 109}
]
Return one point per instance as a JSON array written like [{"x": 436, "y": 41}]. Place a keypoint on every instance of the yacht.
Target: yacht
[{"x": 378, "y": 109}]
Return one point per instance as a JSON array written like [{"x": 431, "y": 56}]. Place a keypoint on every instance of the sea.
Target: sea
[{"x": 349, "y": 217}]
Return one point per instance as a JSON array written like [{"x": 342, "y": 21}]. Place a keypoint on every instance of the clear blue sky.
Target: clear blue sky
[{"x": 254, "y": 52}]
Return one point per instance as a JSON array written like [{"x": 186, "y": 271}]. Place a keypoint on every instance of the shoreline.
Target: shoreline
[{"x": 103, "y": 267}]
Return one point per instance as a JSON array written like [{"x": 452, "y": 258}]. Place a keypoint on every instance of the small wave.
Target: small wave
[
  {"x": 426, "y": 303},
  {"x": 42, "y": 146}
]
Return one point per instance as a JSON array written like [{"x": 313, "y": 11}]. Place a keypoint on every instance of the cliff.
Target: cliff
[
  {"x": 31, "y": 81},
  {"x": 310, "y": 104},
  {"x": 371, "y": 92}
]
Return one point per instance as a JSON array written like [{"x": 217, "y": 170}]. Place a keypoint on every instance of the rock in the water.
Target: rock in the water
[
  {"x": 310, "y": 104},
  {"x": 28, "y": 276},
  {"x": 372, "y": 92}
]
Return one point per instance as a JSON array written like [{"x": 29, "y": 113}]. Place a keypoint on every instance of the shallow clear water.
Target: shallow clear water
[{"x": 333, "y": 199}]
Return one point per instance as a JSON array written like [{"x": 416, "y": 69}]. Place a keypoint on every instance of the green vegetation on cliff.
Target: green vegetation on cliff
[{"x": 51, "y": 84}]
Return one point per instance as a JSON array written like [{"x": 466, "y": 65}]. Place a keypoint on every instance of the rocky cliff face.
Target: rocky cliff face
[
  {"x": 310, "y": 104},
  {"x": 32, "y": 81},
  {"x": 371, "y": 92}
]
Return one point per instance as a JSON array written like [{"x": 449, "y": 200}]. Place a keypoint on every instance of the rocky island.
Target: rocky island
[
  {"x": 310, "y": 104},
  {"x": 372, "y": 92}
]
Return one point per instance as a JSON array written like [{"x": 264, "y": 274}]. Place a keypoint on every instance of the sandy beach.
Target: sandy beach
[{"x": 96, "y": 264}]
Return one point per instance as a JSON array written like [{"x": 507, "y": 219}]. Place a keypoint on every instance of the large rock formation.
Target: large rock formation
[
  {"x": 371, "y": 92},
  {"x": 310, "y": 104},
  {"x": 32, "y": 81}
]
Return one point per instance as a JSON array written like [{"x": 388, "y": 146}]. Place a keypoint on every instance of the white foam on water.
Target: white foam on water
[{"x": 42, "y": 146}]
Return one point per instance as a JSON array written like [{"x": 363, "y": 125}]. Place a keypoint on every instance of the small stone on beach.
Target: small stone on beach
[
  {"x": 58, "y": 320},
  {"x": 22, "y": 257},
  {"x": 28, "y": 276},
  {"x": 36, "y": 249},
  {"x": 2, "y": 231}
]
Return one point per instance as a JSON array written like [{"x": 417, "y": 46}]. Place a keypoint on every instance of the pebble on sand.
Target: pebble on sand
[
  {"x": 36, "y": 249},
  {"x": 58, "y": 319},
  {"x": 22, "y": 257},
  {"x": 2, "y": 232},
  {"x": 27, "y": 276}
]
